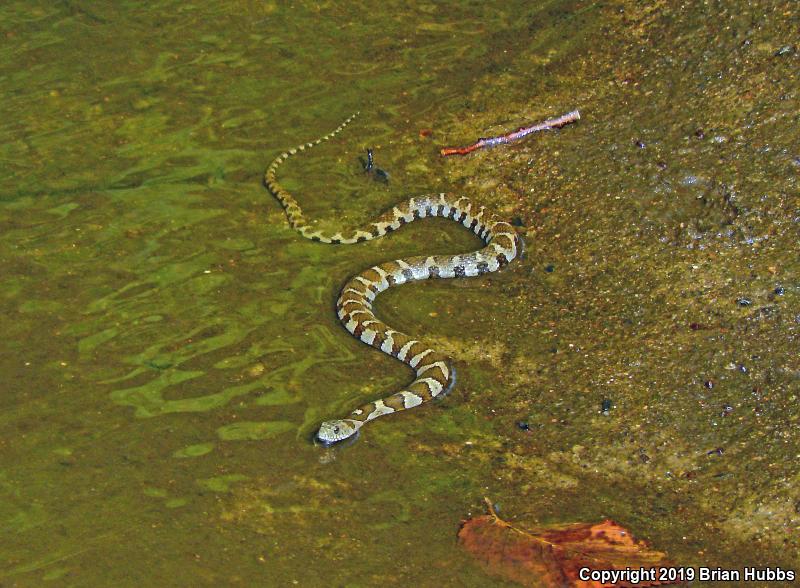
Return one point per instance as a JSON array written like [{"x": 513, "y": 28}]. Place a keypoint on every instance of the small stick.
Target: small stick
[{"x": 552, "y": 123}]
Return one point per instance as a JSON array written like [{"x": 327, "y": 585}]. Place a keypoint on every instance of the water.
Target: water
[{"x": 169, "y": 344}]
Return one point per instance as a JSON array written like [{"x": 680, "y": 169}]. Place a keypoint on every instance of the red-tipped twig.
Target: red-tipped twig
[{"x": 553, "y": 123}]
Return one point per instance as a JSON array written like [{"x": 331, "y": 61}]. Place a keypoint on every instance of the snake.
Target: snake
[{"x": 434, "y": 371}]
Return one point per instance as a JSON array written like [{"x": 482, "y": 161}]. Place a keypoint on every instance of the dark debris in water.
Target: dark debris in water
[{"x": 786, "y": 50}]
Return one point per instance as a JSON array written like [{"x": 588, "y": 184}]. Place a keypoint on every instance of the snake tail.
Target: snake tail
[{"x": 434, "y": 371}]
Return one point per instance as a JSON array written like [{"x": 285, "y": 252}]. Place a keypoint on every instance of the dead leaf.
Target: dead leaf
[{"x": 554, "y": 556}]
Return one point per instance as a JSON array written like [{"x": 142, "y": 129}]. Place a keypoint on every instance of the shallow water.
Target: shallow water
[{"x": 170, "y": 343}]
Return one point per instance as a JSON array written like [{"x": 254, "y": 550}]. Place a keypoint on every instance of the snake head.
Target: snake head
[{"x": 331, "y": 432}]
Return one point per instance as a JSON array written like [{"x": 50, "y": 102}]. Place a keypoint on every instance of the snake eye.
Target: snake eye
[{"x": 336, "y": 429}]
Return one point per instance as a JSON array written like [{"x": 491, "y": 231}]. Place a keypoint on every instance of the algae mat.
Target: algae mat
[{"x": 168, "y": 344}]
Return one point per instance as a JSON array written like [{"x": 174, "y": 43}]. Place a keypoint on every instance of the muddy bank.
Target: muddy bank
[{"x": 654, "y": 334}]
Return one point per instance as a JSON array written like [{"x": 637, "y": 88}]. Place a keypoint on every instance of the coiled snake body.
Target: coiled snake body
[{"x": 435, "y": 374}]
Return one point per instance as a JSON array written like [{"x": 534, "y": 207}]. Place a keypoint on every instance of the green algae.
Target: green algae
[
  {"x": 155, "y": 492},
  {"x": 39, "y": 306},
  {"x": 64, "y": 209},
  {"x": 195, "y": 450},
  {"x": 91, "y": 342},
  {"x": 221, "y": 484},
  {"x": 176, "y": 502},
  {"x": 55, "y": 574}
]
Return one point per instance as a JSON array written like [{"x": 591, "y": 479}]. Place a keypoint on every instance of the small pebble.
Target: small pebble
[
  {"x": 717, "y": 451},
  {"x": 726, "y": 410},
  {"x": 523, "y": 426},
  {"x": 549, "y": 268},
  {"x": 779, "y": 291},
  {"x": 640, "y": 144},
  {"x": 708, "y": 384},
  {"x": 744, "y": 301},
  {"x": 785, "y": 50},
  {"x": 699, "y": 133},
  {"x": 605, "y": 406}
]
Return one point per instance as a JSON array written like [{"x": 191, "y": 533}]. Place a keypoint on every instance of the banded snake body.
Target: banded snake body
[{"x": 435, "y": 374}]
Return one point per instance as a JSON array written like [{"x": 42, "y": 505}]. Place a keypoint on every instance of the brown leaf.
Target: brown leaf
[{"x": 554, "y": 556}]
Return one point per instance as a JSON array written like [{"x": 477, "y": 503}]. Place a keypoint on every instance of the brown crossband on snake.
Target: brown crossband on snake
[{"x": 434, "y": 370}]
